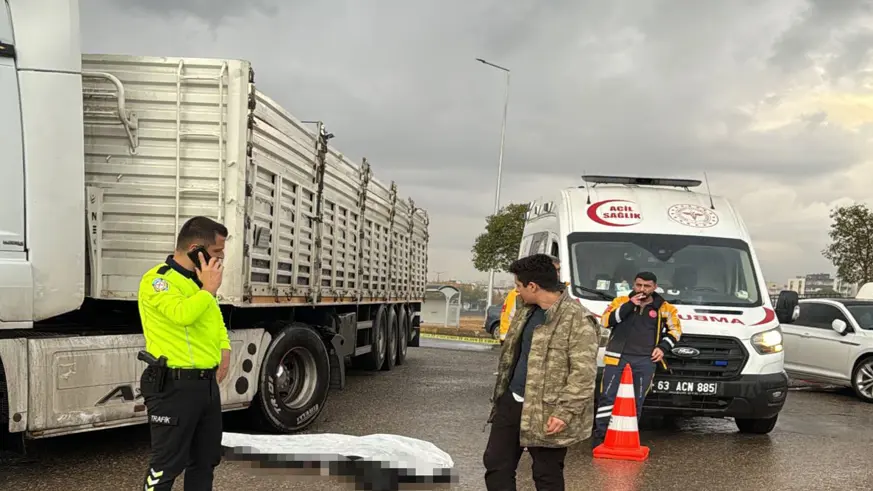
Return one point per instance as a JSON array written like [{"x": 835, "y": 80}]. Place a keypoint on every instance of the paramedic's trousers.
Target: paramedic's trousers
[
  {"x": 503, "y": 452},
  {"x": 643, "y": 369},
  {"x": 185, "y": 424}
]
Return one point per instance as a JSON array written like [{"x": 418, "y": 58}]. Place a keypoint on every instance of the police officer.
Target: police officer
[{"x": 185, "y": 332}]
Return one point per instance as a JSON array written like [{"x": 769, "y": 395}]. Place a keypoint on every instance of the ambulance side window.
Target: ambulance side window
[
  {"x": 554, "y": 252},
  {"x": 525, "y": 246},
  {"x": 538, "y": 244}
]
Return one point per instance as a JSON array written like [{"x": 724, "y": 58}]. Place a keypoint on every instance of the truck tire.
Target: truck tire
[
  {"x": 392, "y": 332},
  {"x": 294, "y": 381},
  {"x": 403, "y": 325},
  {"x": 376, "y": 357},
  {"x": 756, "y": 426},
  {"x": 414, "y": 333}
]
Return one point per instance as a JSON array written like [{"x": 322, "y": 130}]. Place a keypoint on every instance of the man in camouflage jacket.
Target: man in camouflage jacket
[{"x": 544, "y": 395}]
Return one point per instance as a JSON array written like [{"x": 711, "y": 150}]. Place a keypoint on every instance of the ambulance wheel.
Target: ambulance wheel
[
  {"x": 391, "y": 346},
  {"x": 376, "y": 357},
  {"x": 756, "y": 426},
  {"x": 403, "y": 334},
  {"x": 294, "y": 380}
]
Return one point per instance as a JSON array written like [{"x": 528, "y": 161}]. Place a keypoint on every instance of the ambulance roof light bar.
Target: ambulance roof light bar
[{"x": 642, "y": 181}]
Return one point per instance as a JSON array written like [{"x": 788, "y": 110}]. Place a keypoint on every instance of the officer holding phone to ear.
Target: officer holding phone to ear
[{"x": 188, "y": 355}]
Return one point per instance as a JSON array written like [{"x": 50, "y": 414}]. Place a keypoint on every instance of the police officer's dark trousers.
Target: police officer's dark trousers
[
  {"x": 185, "y": 422},
  {"x": 643, "y": 370}
]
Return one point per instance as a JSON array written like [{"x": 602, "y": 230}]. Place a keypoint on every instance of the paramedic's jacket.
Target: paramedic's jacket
[{"x": 667, "y": 332}]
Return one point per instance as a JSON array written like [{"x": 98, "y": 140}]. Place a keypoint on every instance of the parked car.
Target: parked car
[
  {"x": 492, "y": 321},
  {"x": 831, "y": 341}
]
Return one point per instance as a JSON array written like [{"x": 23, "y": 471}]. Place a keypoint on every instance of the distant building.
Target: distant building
[
  {"x": 773, "y": 288},
  {"x": 797, "y": 285},
  {"x": 821, "y": 283}
]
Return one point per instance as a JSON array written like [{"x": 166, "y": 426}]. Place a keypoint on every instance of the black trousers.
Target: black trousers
[
  {"x": 186, "y": 427},
  {"x": 504, "y": 451}
]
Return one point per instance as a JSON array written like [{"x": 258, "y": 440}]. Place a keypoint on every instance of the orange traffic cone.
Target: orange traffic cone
[{"x": 622, "y": 440}]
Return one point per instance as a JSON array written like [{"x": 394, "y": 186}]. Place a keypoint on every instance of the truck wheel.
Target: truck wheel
[
  {"x": 376, "y": 357},
  {"x": 756, "y": 426},
  {"x": 392, "y": 334},
  {"x": 403, "y": 336},
  {"x": 294, "y": 380},
  {"x": 862, "y": 376},
  {"x": 414, "y": 333}
]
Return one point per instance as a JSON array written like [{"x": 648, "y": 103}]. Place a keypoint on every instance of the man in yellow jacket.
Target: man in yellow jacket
[
  {"x": 183, "y": 325},
  {"x": 510, "y": 305}
]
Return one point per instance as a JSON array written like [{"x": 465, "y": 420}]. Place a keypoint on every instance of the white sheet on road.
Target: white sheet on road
[{"x": 399, "y": 452}]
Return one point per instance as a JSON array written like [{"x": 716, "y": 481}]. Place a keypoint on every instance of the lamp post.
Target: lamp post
[{"x": 499, "y": 164}]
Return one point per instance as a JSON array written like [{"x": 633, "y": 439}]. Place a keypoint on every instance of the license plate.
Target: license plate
[{"x": 686, "y": 387}]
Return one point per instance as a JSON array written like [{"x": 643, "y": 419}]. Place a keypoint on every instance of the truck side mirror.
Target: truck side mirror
[{"x": 787, "y": 309}]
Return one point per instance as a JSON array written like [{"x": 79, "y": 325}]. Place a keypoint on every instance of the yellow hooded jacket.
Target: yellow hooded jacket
[{"x": 508, "y": 312}]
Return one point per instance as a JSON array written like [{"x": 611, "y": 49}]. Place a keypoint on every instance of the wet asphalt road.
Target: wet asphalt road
[{"x": 822, "y": 441}]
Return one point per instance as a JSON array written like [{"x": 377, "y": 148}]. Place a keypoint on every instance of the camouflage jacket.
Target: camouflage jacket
[{"x": 561, "y": 370}]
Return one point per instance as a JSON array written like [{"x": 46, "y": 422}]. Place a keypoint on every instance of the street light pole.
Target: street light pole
[{"x": 499, "y": 165}]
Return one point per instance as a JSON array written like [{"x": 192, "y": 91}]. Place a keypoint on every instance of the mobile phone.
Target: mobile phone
[{"x": 194, "y": 255}]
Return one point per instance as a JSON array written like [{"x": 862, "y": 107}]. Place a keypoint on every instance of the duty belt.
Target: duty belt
[{"x": 191, "y": 373}]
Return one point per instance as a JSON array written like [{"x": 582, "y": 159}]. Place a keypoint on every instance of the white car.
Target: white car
[{"x": 831, "y": 341}]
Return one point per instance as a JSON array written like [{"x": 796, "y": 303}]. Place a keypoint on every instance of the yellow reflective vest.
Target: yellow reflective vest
[{"x": 179, "y": 320}]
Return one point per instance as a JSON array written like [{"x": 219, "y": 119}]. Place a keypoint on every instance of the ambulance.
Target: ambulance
[{"x": 729, "y": 360}]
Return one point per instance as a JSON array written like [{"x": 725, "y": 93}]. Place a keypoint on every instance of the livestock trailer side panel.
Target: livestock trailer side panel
[
  {"x": 165, "y": 140},
  {"x": 321, "y": 229}
]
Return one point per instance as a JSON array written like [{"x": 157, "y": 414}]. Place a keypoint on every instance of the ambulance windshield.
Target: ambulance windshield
[{"x": 690, "y": 269}]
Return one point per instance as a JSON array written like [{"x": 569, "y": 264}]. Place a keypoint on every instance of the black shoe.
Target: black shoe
[{"x": 595, "y": 442}]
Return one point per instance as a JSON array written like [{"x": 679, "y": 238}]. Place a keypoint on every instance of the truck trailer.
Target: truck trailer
[{"x": 104, "y": 157}]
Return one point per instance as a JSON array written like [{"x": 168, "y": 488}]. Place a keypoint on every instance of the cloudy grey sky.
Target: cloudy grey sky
[{"x": 773, "y": 99}]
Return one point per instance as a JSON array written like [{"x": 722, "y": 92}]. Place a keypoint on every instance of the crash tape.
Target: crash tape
[{"x": 461, "y": 338}]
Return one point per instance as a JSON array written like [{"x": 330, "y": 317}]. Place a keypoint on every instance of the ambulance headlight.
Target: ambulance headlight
[{"x": 768, "y": 342}]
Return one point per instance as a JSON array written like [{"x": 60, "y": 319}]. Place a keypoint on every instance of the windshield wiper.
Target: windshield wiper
[{"x": 592, "y": 291}]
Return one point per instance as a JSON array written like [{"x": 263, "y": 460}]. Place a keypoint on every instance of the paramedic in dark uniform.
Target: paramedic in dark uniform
[
  {"x": 643, "y": 326},
  {"x": 182, "y": 322}
]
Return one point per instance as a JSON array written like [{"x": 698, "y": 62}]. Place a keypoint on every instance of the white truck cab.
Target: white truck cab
[{"x": 729, "y": 360}]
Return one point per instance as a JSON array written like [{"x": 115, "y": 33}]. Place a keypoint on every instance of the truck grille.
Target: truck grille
[{"x": 719, "y": 358}]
